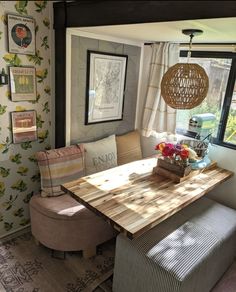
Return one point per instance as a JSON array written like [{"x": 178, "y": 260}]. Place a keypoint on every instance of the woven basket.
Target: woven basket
[
  {"x": 184, "y": 86},
  {"x": 201, "y": 148}
]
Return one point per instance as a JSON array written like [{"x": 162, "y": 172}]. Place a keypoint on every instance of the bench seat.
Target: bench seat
[{"x": 187, "y": 252}]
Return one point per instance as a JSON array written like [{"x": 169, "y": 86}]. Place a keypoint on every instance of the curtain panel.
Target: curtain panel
[{"x": 158, "y": 117}]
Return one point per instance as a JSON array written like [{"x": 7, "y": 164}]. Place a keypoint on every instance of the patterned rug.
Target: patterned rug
[{"x": 26, "y": 267}]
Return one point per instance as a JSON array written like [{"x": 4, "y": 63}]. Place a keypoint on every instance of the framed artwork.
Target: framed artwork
[
  {"x": 106, "y": 75},
  {"x": 24, "y": 127},
  {"x": 21, "y": 34},
  {"x": 22, "y": 83}
]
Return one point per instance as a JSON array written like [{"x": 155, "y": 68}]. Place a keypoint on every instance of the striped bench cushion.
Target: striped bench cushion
[{"x": 58, "y": 166}]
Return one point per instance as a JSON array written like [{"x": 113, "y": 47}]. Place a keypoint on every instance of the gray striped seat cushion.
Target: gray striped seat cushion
[
  {"x": 188, "y": 252},
  {"x": 180, "y": 252}
]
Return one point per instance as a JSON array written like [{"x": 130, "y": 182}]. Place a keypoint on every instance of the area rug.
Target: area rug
[{"x": 26, "y": 267}]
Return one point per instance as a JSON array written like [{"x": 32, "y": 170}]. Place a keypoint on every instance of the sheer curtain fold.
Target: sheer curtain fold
[{"x": 158, "y": 117}]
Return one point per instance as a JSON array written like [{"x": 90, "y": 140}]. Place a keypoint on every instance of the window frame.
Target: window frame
[{"x": 219, "y": 139}]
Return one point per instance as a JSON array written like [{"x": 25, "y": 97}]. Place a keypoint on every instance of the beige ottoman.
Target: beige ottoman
[{"x": 61, "y": 223}]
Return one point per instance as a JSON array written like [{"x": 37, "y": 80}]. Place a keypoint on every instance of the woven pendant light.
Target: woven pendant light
[{"x": 185, "y": 85}]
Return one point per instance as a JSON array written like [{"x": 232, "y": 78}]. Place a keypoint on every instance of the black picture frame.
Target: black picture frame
[{"x": 105, "y": 87}]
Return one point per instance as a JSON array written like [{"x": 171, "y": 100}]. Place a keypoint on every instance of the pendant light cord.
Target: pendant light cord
[{"x": 190, "y": 47}]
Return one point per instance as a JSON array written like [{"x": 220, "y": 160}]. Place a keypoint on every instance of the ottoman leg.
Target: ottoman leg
[{"x": 89, "y": 252}]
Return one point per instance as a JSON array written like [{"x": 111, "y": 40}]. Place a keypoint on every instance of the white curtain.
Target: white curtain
[{"x": 158, "y": 117}]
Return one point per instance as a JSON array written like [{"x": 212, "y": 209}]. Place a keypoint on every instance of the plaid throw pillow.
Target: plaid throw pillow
[{"x": 58, "y": 166}]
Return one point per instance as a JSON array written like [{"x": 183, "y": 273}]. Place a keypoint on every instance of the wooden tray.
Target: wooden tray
[{"x": 175, "y": 177}]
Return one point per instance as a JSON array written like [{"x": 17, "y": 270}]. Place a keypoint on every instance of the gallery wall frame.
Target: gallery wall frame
[
  {"x": 21, "y": 34},
  {"x": 24, "y": 128},
  {"x": 23, "y": 83},
  {"x": 105, "y": 87}
]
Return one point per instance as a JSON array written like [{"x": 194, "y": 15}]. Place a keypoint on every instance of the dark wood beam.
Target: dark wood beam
[{"x": 93, "y": 13}]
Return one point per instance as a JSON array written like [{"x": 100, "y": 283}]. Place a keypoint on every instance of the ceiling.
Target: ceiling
[{"x": 218, "y": 30}]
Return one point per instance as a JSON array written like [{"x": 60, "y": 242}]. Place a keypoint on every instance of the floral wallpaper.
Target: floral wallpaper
[{"x": 19, "y": 174}]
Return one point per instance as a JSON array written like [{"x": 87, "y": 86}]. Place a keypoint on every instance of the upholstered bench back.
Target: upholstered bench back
[{"x": 58, "y": 166}]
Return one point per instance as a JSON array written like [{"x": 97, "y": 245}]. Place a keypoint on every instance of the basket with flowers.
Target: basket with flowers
[{"x": 174, "y": 157}]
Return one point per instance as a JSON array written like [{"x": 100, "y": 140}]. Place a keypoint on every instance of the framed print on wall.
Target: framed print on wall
[
  {"x": 106, "y": 75},
  {"x": 22, "y": 83},
  {"x": 24, "y": 127},
  {"x": 21, "y": 34}
]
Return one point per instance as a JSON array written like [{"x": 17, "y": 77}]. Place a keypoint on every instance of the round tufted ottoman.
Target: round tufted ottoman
[{"x": 63, "y": 224}]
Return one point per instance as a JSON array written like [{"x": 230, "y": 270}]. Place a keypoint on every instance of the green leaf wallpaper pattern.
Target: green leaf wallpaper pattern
[
  {"x": 4, "y": 146},
  {"x": 2, "y": 188},
  {"x": 40, "y": 5},
  {"x": 36, "y": 59},
  {"x": 44, "y": 43},
  {"x": 19, "y": 212},
  {"x": 46, "y": 22},
  {"x": 41, "y": 75},
  {"x": 16, "y": 158},
  {"x": 4, "y": 172},
  {"x": 20, "y": 7},
  {"x": 7, "y": 205},
  {"x": 8, "y": 226},
  {"x": 26, "y": 145},
  {"x": 39, "y": 121},
  {"x": 22, "y": 170},
  {"x": 28, "y": 197},
  {"x": 2, "y": 109},
  {"x": 47, "y": 90},
  {"x": 20, "y": 185},
  {"x": 12, "y": 59},
  {"x": 19, "y": 173}
]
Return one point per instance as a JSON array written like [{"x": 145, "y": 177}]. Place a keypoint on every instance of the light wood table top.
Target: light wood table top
[{"x": 133, "y": 199}]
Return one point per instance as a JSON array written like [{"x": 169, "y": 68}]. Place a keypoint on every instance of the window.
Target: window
[{"x": 218, "y": 111}]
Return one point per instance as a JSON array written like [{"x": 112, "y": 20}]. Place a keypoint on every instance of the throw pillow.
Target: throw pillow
[
  {"x": 100, "y": 155},
  {"x": 58, "y": 166},
  {"x": 128, "y": 147}
]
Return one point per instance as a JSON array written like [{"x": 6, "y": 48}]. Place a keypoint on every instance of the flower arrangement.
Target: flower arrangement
[{"x": 174, "y": 153}]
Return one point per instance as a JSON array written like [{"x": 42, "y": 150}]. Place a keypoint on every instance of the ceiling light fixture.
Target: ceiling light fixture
[{"x": 185, "y": 85}]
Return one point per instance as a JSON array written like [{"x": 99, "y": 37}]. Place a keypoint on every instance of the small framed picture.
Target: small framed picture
[
  {"x": 23, "y": 83},
  {"x": 21, "y": 34},
  {"x": 24, "y": 127}
]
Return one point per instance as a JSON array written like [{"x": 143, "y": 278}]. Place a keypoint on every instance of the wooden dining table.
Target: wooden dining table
[{"x": 133, "y": 199}]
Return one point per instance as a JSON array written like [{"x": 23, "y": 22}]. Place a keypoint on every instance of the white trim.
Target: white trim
[
  {"x": 82, "y": 33},
  {"x": 68, "y": 87},
  {"x": 15, "y": 231},
  {"x": 137, "y": 118}
]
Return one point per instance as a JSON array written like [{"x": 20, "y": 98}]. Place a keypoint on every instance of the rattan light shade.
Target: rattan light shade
[{"x": 184, "y": 85}]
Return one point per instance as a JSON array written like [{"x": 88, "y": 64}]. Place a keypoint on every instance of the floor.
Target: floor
[{"x": 26, "y": 267}]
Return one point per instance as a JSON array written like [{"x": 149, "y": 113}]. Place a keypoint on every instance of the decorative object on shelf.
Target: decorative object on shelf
[
  {"x": 185, "y": 85},
  {"x": 3, "y": 77},
  {"x": 24, "y": 127},
  {"x": 23, "y": 83},
  {"x": 21, "y": 34},
  {"x": 106, "y": 74}
]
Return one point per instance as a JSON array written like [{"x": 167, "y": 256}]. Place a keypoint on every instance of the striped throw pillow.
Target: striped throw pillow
[{"x": 58, "y": 166}]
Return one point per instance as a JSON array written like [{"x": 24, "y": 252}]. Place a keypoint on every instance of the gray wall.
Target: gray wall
[{"x": 79, "y": 131}]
